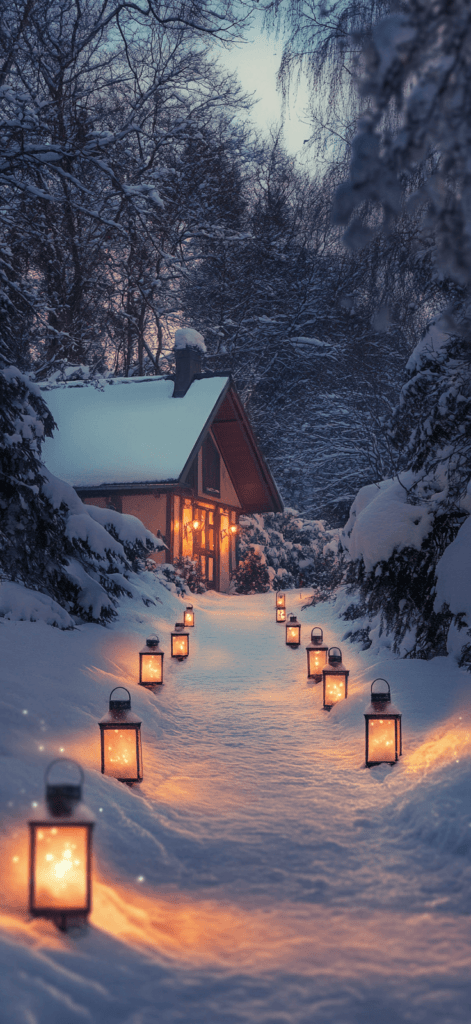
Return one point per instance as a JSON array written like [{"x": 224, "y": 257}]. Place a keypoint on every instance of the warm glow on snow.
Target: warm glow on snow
[{"x": 447, "y": 744}]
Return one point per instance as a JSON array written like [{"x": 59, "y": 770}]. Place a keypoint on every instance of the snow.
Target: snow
[
  {"x": 382, "y": 522},
  {"x": 260, "y": 874},
  {"x": 127, "y": 430},
  {"x": 187, "y": 337},
  {"x": 18, "y": 603}
]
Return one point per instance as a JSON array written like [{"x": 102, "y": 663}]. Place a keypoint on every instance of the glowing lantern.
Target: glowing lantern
[
  {"x": 61, "y": 852},
  {"x": 383, "y": 727},
  {"x": 189, "y": 616},
  {"x": 120, "y": 735},
  {"x": 316, "y": 655},
  {"x": 280, "y": 600},
  {"x": 293, "y": 632},
  {"x": 281, "y": 614},
  {"x": 151, "y": 663},
  {"x": 180, "y": 642},
  {"x": 334, "y": 678}
]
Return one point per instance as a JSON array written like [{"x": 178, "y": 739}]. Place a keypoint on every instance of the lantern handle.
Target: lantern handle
[
  {"x": 152, "y": 641},
  {"x": 67, "y": 760},
  {"x": 119, "y": 688},
  {"x": 381, "y": 680},
  {"x": 331, "y": 654},
  {"x": 319, "y": 630}
]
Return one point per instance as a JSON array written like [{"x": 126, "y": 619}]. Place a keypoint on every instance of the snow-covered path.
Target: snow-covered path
[{"x": 259, "y": 875}]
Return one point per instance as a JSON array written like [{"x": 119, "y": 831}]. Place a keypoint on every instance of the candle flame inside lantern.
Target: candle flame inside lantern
[
  {"x": 334, "y": 688},
  {"x": 381, "y": 739},
  {"x": 317, "y": 660},
  {"x": 151, "y": 668},
  {"x": 120, "y": 753},
  {"x": 61, "y": 861},
  {"x": 292, "y": 634},
  {"x": 180, "y": 645}
]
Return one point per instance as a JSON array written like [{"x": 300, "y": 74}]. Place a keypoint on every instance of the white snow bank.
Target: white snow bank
[
  {"x": 186, "y": 337},
  {"x": 430, "y": 346},
  {"x": 20, "y": 604},
  {"x": 382, "y": 522}
]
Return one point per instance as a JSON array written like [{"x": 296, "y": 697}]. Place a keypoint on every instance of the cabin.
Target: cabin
[{"x": 177, "y": 452}]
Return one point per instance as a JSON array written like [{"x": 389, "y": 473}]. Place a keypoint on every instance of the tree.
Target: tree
[{"x": 79, "y": 555}]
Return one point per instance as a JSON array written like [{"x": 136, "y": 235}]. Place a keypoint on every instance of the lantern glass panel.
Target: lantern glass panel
[
  {"x": 180, "y": 645},
  {"x": 151, "y": 667},
  {"x": 293, "y": 634},
  {"x": 60, "y": 867},
  {"x": 334, "y": 687},
  {"x": 317, "y": 659},
  {"x": 382, "y": 739},
  {"x": 281, "y": 614},
  {"x": 189, "y": 617},
  {"x": 280, "y": 600},
  {"x": 122, "y": 755}
]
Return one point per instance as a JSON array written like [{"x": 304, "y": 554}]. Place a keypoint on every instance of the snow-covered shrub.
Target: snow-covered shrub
[
  {"x": 191, "y": 573},
  {"x": 405, "y": 537},
  {"x": 77, "y": 554},
  {"x": 298, "y": 552},
  {"x": 252, "y": 575}
]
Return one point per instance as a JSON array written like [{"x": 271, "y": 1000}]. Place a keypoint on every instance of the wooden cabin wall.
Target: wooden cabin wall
[{"x": 150, "y": 508}]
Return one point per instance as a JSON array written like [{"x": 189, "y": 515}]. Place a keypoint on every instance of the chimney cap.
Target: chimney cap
[{"x": 187, "y": 337}]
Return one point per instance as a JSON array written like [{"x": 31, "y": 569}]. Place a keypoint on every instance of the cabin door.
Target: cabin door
[{"x": 204, "y": 544}]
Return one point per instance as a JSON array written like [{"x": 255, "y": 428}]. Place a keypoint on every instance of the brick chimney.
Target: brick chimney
[{"x": 189, "y": 350}]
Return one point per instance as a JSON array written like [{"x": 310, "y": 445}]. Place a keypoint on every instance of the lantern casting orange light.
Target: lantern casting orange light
[
  {"x": 316, "y": 655},
  {"x": 334, "y": 679},
  {"x": 120, "y": 738},
  {"x": 151, "y": 663},
  {"x": 293, "y": 632},
  {"x": 383, "y": 727},
  {"x": 60, "y": 852},
  {"x": 189, "y": 616},
  {"x": 180, "y": 642},
  {"x": 281, "y": 614}
]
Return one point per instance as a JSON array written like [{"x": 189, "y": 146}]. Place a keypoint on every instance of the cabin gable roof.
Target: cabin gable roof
[{"x": 131, "y": 432}]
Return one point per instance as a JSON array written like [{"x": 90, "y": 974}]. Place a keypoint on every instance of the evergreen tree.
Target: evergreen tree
[{"x": 251, "y": 575}]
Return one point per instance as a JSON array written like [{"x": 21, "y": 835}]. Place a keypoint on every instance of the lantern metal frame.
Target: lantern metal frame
[
  {"x": 63, "y": 808},
  {"x": 280, "y": 614},
  {"x": 280, "y": 600},
  {"x": 291, "y": 623},
  {"x": 120, "y": 718},
  {"x": 153, "y": 650},
  {"x": 179, "y": 631},
  {"x": 189, "y": 614},
  {"x": 334, "y": 667},
  {"x": 383, "y": 710},
  {"x": 316, "y": 644}
]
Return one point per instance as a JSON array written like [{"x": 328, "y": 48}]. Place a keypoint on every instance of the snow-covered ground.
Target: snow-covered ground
[{"x": 260, "y": 874}]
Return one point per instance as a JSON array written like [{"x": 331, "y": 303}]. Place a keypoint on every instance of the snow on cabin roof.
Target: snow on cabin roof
[{"x": 126, "y": 430}]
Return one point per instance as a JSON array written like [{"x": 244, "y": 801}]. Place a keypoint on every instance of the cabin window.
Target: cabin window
[{"x": 211, "y": 467}]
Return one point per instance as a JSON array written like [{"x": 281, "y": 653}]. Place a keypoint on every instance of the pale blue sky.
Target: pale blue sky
[{"x": 257, "y": 62}]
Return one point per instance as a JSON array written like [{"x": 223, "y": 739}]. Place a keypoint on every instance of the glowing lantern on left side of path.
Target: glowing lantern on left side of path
[
  {"x": 61, "y": 852},
  {"x": 189, "y": 616},
  {"x": 317, "y": 652},
  {"x": 151, "y": 663},
  {"x": 180, "y": 642},
  {"x": 281, "y": 614},
  {"x": 334, "y": 679},
  {"x": 293, "y": 632},
  {"x": 383, "y": 739},
  {"x": 120, "y": 738},
  {"x": 280, "y": 600}
]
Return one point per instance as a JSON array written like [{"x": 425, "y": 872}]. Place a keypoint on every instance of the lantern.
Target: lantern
[
  {"x": 189, "y": 616},
  {"x": 293, "y": 632},
  {"x": 383, "y": 727},
  {"x": 281, "y": 614},
  {"x": 316, "y": 655},
  {"x": 334, "y": 679},
  {"x": 120, "y": 736},
  {"x": 280, "y": 600},
  {"x": 60, "y": 852},
  {"x": 151, "y": 663},
  {"x": 180, "y": 642}
]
